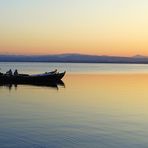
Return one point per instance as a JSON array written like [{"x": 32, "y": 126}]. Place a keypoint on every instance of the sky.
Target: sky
[{"x": 98, "y": 27}]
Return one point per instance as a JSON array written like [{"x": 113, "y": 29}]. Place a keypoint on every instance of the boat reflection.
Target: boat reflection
[{"x": 54, "y": 85}]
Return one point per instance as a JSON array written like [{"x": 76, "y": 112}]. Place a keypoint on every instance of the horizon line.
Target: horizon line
[{"x": 14, "y": 54}]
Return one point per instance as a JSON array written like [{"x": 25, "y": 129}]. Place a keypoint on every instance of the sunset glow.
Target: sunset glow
[{"x": 109, "y": 27}]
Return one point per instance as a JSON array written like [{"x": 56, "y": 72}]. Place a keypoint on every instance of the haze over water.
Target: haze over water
[{"x": 101, "y": 106}]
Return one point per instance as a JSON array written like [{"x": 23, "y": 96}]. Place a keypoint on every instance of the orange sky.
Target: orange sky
[{"x": 109, "y": 27}]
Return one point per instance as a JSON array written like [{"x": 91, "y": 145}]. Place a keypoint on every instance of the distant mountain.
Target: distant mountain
[
  {"x": 74, "y": 58},
  {"x": 139, "y": 56}
]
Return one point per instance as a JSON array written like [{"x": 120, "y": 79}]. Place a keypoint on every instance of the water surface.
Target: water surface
[
  {"x": 83, "y": 68},
  {"x": 94, "y": 109}
]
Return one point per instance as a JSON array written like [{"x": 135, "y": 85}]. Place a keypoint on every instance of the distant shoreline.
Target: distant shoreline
[
  {"x": 75, "y": 58},
  {"x": 70, "y": 62}
]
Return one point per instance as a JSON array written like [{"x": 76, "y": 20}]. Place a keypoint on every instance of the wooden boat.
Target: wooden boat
[
  {"x": 54, "y": 85},
  {"x": 32, "y": 79}
]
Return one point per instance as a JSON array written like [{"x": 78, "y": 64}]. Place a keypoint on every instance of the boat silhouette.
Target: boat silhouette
[
  {"x": 50, "y": 84},
  {"x": 44, "y": 79}
]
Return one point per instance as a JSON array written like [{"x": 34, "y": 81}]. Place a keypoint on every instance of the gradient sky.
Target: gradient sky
[{"x": 102, "y": 27}]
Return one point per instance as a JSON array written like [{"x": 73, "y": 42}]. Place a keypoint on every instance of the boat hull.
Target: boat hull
[{"x": 31, "y": 79}]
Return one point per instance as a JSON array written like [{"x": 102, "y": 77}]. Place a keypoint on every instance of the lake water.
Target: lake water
[
  {"x": 100, "y": 106},
  {"x": 82, "y": 68}
]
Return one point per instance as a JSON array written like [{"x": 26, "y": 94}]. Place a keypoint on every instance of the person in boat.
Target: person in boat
[
  {"x": 9, "y": 72},
  {"x": 16, "y": 73}
]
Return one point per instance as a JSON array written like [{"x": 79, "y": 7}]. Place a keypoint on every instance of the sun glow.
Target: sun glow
[{"x": 109, "y": 27}]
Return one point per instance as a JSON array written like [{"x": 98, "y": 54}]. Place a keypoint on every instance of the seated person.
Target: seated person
[
  {"x": 16, "y": 73},
  {"x": 9, "y": 72}
]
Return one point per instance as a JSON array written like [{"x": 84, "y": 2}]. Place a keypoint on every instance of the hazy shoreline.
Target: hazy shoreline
[{"x": 75, "y": 58}]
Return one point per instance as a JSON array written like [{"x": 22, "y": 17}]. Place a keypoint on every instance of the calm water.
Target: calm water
[
  {"x": 101, "y": 106},
  {"x": 76, "y": 68}
]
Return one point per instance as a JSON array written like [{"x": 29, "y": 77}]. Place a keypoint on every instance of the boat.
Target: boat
[
  {"x": 54, "y": 85},
  {"x": 44, "y": 78}
]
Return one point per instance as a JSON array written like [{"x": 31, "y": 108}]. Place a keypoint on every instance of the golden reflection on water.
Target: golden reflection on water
[
  {"x": 110, "y": 91},
  {"x": 107, "y": 109},
  {"x": 119, "y": 93}
]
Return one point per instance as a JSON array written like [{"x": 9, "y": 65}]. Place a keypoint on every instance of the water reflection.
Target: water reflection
[
  {"x": 54, "y": 85},
  {"x": 105, "y": 110}
]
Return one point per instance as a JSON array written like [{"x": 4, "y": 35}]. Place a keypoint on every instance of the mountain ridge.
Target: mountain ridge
[{"x": 74, "y": 58}]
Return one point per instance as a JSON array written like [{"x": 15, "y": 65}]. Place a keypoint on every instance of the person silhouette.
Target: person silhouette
[
  {"x": 9, "y": 72},
  {"x": 15, "y": 72}
]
